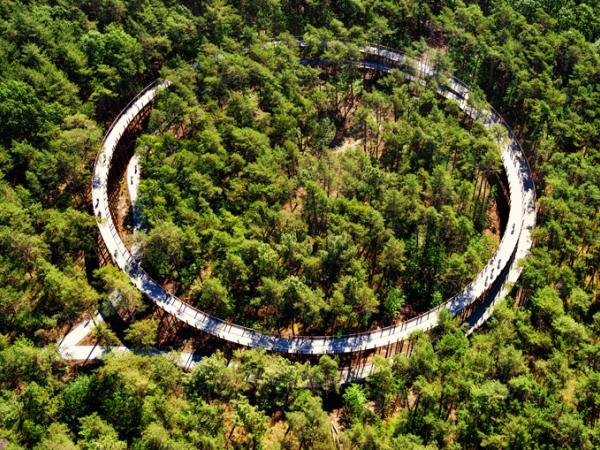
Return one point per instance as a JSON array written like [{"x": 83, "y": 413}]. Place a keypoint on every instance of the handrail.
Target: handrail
[
  {"x": 120, "y": 114},
  {"x": 280, "y": 343}
]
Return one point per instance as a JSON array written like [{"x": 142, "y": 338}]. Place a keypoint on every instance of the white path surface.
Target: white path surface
[
  {"x": 184, "y": 360},
  {"x": 69, "y": 349},
  {"x": 516, "y": 239},
  {"x": 80, "y": 331}
]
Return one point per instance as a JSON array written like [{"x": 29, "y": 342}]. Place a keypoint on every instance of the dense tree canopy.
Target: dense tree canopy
[
  {"x": 255, "y": 212},
  {"x": 314, "y": 202}
]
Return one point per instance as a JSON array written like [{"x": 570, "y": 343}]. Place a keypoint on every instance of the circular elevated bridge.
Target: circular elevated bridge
[{"x": 474, "y": 303}]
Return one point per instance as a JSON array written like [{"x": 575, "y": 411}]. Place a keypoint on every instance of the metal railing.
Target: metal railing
[
  {"x": 223, "y": 328},
  {"x": 121, "y": 113}
]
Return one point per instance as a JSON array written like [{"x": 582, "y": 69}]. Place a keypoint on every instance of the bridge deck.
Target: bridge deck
[{"x": 515, "y": 243}]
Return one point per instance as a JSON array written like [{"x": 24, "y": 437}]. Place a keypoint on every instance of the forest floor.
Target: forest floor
[
  {"x": 493, "y": 228},
  {"x": 123, "y": 221}
]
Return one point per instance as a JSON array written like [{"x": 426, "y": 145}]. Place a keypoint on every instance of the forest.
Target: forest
[
  {"x": 296, "y": 199},
  {"x": 320, "y": 209}
]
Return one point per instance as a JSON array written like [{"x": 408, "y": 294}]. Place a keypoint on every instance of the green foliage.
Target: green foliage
[
  {"x": 77, "y": 399},
  {"x": 143, "y": 333},
  {"x": 354, "y": 237},
  {"x": 393, "y": 302},
  {"x": 104, "y": 336},
  {"x": 355, "y": 402},
  {"x": 22, "y": 114},
  {"x": 212, "y": 378},
  {"x": 251, "y": 419},
  {"x": 22, "y": 362},
  {"x": 256, "y": 213},
  {"x": 214, "y": 297},
  {"x": 309, "y": 422},
  {"x": 96, "y": 433},
  {"x": 119, "y": 290}
]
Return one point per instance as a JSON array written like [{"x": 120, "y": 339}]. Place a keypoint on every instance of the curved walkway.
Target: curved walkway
[{"x": 515, "y": 243}]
